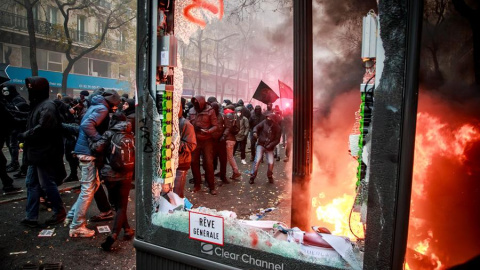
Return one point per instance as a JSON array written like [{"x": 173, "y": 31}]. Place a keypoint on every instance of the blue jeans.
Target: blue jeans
[
  {"x": 258, "y": 156},
  {"x": 89, "y": 184},
  {"x": 38, "y": 178}
]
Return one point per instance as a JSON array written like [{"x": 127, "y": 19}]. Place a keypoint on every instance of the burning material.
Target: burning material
[{"x": 446, "y": 157}]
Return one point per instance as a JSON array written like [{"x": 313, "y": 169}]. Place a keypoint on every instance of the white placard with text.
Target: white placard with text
[{"x": 206, "y": 228}]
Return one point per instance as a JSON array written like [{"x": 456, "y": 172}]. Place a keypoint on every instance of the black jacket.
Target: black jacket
[
  {"x": 203, "y": 119},
  {"x": 268, "y": 134},
  {"x": 43, "y": 137},
  {"x": 256, "y": 117},
  {"x": 16, "y": 108}
]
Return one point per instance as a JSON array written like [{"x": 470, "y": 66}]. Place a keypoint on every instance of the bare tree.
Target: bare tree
[
  {"x": 473, "y": 17},
  {"x": 198, "y": 42},
  {"x": 28, "y": 5},
  {"x": 115, "y": 17}
]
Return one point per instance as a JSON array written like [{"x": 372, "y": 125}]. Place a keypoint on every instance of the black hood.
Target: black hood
[
  {"x": 258, "y": 110},
  {"x": 131, "y": 107},
  {"x": 216, "y": 108},
  {"x": 240, "y": 102},
  {"x": 38, "y": 89},
  {"x": 199, "y": 103},
  {"x": 12, "y": 91}
]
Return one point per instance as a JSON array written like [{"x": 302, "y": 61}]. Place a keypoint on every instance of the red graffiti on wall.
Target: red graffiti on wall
[{"x": 203, "y": 5}]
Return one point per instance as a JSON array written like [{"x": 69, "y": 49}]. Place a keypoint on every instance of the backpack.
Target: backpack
[
  {"x": 121, "y": 156},
  {"x": 235, "y": 126}
]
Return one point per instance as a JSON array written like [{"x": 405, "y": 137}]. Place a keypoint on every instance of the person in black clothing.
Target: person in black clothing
[
  {"x": 268, "y": 135},
  {"x": 19, "y": 108},
  {"x": 69, "y": 138},
  {"x": 245, "y": 110},
  {"x": 204, "y": 120},
  {"x": 44, "y": 153},
  {"x": 117, "y": 181},
  {"x": 129, "y": 111},
  {"x": 255, "y": 119},
  {"x": 9, "y": 121}
]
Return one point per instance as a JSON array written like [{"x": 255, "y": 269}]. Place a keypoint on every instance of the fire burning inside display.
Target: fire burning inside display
[{"x": 444, "y": 218}]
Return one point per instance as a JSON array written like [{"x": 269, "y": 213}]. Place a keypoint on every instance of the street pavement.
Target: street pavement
[{"x": 21, "y": 247}]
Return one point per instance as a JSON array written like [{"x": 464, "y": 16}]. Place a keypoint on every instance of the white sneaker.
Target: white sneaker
[
  {"x": 244, "y": 162},
  {"x": 81, "y": 231}
]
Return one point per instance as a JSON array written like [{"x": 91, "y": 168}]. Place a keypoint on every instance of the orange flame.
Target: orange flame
[{"x": 434, "y": 138}]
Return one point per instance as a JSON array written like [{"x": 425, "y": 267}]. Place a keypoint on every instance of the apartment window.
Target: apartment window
[
  {"x": 100, "y": 26},
  {"x": 26, "y": 57},
  {"x": 124, "y": 72},
  {"x": 35, "y": 12},
  {"x": 55, "y": 61},
  {"x": 52, "y": 15},
  {"x": 42, "y": 59},
  {"x": 99, "y": 68},
  {"x": 12, "y": 55},
  {"x": 81, "y": 66},
  {"x": 81, "y": 28}
]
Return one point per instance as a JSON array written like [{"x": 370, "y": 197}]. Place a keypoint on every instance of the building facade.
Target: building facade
[{"x": 106, "y": 66}]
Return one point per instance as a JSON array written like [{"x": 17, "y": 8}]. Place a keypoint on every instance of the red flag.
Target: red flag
[{"x": 285, "y": 90}]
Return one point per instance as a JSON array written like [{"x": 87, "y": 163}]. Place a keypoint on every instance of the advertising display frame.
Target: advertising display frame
[{"x": 392, "y": 154}]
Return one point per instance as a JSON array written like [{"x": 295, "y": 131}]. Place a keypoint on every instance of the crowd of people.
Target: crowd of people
[
  {"x": 93, "y": 132},
  {"x": 219, "y": 130}
]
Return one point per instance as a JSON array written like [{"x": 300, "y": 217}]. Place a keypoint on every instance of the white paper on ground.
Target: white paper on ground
[
  {"x": 103, "y": 229},
  {"x": 46, "y": 233}
]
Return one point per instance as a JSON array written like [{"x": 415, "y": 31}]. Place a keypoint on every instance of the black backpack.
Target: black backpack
[{"x": 121, "y": 156}]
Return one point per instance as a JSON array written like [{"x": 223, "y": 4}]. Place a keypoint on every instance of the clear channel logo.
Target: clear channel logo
[
  {"x": 207, "y": 248},
  {"x": 210, "y": 249}
]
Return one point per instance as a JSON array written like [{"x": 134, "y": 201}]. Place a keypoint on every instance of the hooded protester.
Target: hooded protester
[
  {"x": 129, "y": 111},
  {"x": 245, "y": 111},
  {"x": 204, "y": 120},
  {"x": 232, "y": 127},
  {"x": 18, "y": 107},
  {"x": 117, "y": 180},
  {"x": 220, "y": 148},
  {"x": 255, "y": 119},
  {"x": 242, "y": 134},
  {"x": 268, "y": 135},
  {"x": 44, "y": 153},
  {"x": 94, "y": 124},
  {"x": 8, "y": 121}
]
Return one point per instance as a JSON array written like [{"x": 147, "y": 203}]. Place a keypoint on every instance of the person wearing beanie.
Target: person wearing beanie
[
  {"x": 43, "y": 147},
  {"x": 83, "y": 99},
  {"x": 232, "y": 126},
  {"x": 242, "y": 135},
  {"x": 93, "y": 125}
]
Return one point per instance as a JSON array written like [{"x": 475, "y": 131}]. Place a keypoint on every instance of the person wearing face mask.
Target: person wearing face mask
[
  {"x": 232, "y": 127},
  {"x": 242, "y": 135},
  {"x": 94, "y": 124},
  {"x": 8, "y": 120},
  {"x": 204, "y": 121},
  {"x": 268, "y": 135},
  {"x": 18, "y": 107},
  {"x": 256, "y": 118},
  {"x": 43, "y": 148}
]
